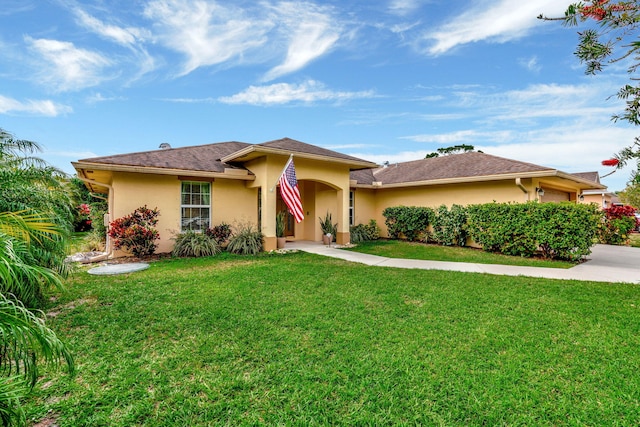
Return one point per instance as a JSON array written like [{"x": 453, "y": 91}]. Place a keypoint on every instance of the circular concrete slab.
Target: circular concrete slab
[{"x": 119, "y": 268}]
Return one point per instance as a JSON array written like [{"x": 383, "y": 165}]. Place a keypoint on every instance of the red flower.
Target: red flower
[{"x": 610, "y": 162}]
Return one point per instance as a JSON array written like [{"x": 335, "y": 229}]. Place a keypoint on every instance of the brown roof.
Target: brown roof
[
  {"x": 288, "y": 144},
  {"x": 196, "y": 158},
  {"x": 364, "y": 176},
  {"x": 589, "y": 176},
  {"x": 464, "y": 165}
]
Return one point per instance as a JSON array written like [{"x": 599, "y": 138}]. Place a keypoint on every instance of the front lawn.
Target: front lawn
[
  {"x": 413, "y": 250},
  {"x": 299, "y": 339}
]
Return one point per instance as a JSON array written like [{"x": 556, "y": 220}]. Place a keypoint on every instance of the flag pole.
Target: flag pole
[{"x": 283, "y": 169}]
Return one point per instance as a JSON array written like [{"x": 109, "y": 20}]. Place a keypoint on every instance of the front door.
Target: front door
[{"x": 289, "y": 229}]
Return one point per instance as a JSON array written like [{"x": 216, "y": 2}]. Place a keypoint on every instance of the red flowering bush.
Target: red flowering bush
[
  {"x": 135, "y": 232},
  {"x": 618, "y": 222}
]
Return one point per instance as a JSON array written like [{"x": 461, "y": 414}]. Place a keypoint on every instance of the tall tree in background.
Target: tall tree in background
[{"x": 614, "y": 39}]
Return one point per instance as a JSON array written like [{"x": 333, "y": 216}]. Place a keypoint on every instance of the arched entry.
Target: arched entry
[{"x": 289, "y": 224}]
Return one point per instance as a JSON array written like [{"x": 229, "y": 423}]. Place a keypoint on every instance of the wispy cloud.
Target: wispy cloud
[
  {"x": 458, "y": 137},
  {"x": 493, "y": 21},
  {"x": 205, "y": 32},
  {"x": 404, "y": 7},
  {"x": 530, "y": 64},
  {"x": 68, "y": 67},
  {"x": 310, "y": 31},
  {"x": 132, "y": 38},
  {"x": 126, "y": 36},
  {"x": 32, "y": 107},
  {"x": 284, "y": 93}
]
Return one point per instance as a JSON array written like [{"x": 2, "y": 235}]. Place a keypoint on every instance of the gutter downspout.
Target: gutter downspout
[
  {"x": 108, "y": 249},
  {"x": 524, "y": 190}
]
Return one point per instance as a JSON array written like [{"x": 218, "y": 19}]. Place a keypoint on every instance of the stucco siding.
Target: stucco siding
[
  {"x": 133, "y": 190},
  {"x": 437, "y": 195},
  {"x": 232, "y": 202}
]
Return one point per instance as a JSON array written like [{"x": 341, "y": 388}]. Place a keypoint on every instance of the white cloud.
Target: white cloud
[
  {"x": 38, "y": 108},
  {"x": 403, "y": 7},
  {"x": 495, "y": 21},
  {"x": 459, "y": 137},
  {"x": 123, "y": 36},
  {"x": 284, "y": 93},
  {"x": 530, "y": 64},
  {"x": 311, "y": 32},
  {"x": 205, "y": 32},
  {"x": 67, "y": 67}
]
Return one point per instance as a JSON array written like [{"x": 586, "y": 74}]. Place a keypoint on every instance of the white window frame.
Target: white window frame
[{"x": 203, "y": 224}]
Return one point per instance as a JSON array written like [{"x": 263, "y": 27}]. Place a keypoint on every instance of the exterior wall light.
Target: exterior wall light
[{"x": 540, "y": 191}]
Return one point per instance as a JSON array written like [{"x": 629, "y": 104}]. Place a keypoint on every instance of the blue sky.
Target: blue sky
[{"x": 386, "y": 80}]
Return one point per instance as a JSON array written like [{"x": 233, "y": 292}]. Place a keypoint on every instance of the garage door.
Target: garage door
[{"x": 554, "y": 196}]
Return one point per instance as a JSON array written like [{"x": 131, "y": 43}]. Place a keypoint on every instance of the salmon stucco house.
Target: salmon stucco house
[{"x": 233, "y": 182}]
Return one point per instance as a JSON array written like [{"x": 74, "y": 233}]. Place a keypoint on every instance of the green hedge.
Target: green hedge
[
  {"x": 410, "y": 222},
  {"x": 554, "y": 230}
]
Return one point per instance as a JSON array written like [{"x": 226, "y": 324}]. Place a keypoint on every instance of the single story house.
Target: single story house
[{"x": 233, "y": 182}]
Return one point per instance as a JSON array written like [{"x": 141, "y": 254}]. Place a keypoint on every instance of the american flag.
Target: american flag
[{"x": 289, "y": 191}]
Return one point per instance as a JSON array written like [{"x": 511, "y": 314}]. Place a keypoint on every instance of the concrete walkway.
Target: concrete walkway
[{"x": 617, "y": 264}]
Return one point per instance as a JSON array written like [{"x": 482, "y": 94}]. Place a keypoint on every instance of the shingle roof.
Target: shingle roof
[
  {"x": 364, "y": 176},
  {"x": 590, "y": 176},
  {"x": 196, "y": 158},
  {"x": 292, "y": 145},
  {"x": 464, "y": 165}
]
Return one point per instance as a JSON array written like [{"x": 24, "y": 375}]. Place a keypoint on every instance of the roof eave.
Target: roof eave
[
  {"x": 229, "y": 173},
  {"x": 245, "y": 154}
]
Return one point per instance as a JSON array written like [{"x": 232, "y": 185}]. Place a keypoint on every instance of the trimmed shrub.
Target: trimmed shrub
[
  {"x": 616, "y": 224},
  {"x": 135, "y": 232},
  {"x": 449, "y": 226},
  {"x": 247, "y": 240},
  {"x": 566, "y": 230},
  {"x": 220, "y": 233},
  {"x": 410, "y": 222},
  {"x": 556, "y": 230},
  {"x": 194, "y": 244},
  {"x": 365, "y": 232}
]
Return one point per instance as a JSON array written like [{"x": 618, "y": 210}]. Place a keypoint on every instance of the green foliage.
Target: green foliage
[
  {"x": 612, "y": 41},
  {"x": 246, "y": 240},
  {"x": 98, "y": 210},
  {"x": 559, "y": 230},
  {"x": 455, "y": 149},
  {"x": 136, "y": 232},
  {"x": 365, "y": 232},
  {"x": 194, "y": 244},
  {"x": 30, "y": 186},
  {"x": 281, "y": 217},
  {"x": 616, "y": 225},
  {"x": 358, "y": 233},
  {"x": 220, "y": 233},
  {"x": 327, "y": 226},
  {"x": 410, "y": 222},
  {"x": 92, "y": 241},
  {"x": 631, "y": 195},
  {"x": 449, "y": 226}
]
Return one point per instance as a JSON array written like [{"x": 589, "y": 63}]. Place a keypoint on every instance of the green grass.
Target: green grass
[
  {"x": 411, "y": 250},
  {"x": 299, "y": 339},
  {"x": 634, "y": 239}
]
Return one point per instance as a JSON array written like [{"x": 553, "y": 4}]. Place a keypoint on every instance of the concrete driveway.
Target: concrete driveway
[{"x": 616, "y": 264}]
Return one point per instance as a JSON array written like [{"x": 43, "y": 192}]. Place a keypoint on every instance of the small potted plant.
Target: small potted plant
[
  {"x": 281, "y": 217},
  {"x": 328, "y": 229}
]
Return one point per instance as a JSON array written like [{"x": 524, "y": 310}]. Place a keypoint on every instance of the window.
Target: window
[
  {"x": 196, "y": 206},
  {"x": 352, "y": 202}
]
